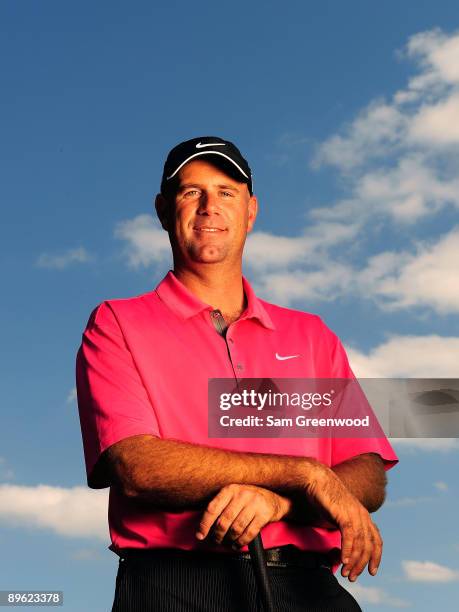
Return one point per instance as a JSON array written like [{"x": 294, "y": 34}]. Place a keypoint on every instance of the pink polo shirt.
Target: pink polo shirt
[{"x": 143, "y": 368}]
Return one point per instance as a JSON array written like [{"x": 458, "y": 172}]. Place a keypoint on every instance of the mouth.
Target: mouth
[{"x": 208, "y": 230}]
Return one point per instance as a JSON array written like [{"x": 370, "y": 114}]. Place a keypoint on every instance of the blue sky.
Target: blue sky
[{"x": 348, "y": 114}]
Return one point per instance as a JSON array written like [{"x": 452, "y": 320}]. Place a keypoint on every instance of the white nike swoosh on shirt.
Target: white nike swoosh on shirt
[
  {"x": 210, "y": 144},
  {"x": 284, "y": 357}
]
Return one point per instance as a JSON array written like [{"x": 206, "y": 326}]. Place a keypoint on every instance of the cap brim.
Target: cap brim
[{"x": 209, "y": 152}]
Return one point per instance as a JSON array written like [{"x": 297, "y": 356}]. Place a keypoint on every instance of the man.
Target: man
[{"x": 183, "y": 507}]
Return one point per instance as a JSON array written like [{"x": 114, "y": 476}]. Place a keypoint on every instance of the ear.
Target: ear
[
  {"x": 253, "y": 211},
  {"x": 162, "y": 206}
]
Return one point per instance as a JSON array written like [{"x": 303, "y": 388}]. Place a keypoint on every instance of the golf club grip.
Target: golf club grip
[{"x": 257, "y": 554}]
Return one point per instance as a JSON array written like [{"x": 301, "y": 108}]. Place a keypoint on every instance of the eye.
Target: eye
[
  {"x": 191, "y": 193},
  {"x": 227, "y": 194}
]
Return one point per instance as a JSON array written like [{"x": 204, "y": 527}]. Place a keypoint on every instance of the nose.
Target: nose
[{"x": 208, "y": 204}]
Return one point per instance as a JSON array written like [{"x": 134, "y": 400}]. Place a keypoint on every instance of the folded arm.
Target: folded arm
[
  {"x": 177, "y": 475},
  {"x": 180, "y": 475}
]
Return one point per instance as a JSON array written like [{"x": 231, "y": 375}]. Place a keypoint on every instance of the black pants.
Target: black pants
[{"x": 226, "y": 585}]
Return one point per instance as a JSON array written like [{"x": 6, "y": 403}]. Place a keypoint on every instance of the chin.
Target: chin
[
  {"x": 208, "y": 260},
  {"x": 208, "y": 254}
]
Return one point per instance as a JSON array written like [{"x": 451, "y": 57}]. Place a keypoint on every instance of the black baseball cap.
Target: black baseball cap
[{"x": 225, "y": 155}]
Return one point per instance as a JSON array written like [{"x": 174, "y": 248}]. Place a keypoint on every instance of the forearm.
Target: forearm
[
  {"x": 365, "y": 477},
  {"x": 179, "y": 475}
]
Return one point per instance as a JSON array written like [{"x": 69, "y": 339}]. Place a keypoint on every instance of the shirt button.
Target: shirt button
[
  {"x": 240, "y": 366},
  {"x": 231, "y": 340}
]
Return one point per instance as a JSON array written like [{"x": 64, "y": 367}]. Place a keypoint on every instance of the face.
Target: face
[{"x": 210, "y": 217}]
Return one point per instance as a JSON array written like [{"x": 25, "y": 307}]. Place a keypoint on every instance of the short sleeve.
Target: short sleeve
[
  {"x": 113, "y": 403},
  {"x": 346, "y": 448}
]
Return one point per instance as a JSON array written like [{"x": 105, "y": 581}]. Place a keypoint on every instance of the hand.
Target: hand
[
  {"x": 238, "y": 512},
  {"x": 361, "y": 540}
]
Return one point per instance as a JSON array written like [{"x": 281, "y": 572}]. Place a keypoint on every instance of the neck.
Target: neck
[{"x": 222, "y": 291}]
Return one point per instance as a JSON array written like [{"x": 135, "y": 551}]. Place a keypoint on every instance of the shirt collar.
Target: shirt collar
[
  {"x": 179, "y": 298},
  {"x": 255, "y": 308},
  {"x": 185, "y": 304}
]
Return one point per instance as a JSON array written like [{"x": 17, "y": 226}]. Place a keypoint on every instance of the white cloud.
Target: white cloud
[
  {"x": 147, "y": 242},
  {"x": 324, "y": 283},
  {"x": 401, "y": 358},
  {"x": 425, "y": 113},
  {"x": 377, "y": 129},
  {"x": 265, "y": 250},
  {"x": 375, "y": 596},
  {"x": 406, "y": 191},
  {"x": 441, "y": 486},
  {"x": 427, "y": 571},
  {"x": 429, "y": 356},
  {"x": 77, "y": 512},
  {"x": 437, "y": 124},
  {"x": 408, "y": 501},
  {"x": 400, "y": 155},
  {"x": 427, "y": 278},
  {"x": 63, "y": 260},
  {"x": 444, "y": 57},
  {"x": 437, "y": 55}
]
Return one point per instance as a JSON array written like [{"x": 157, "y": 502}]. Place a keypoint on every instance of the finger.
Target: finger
[
  {"x": 213, "y": 511},
  {"x": 363, "y": 557},
  {"x": 352, "y": 541},
  {"x": 251, "y": 531},
  {"x": 347, "y": 541},
  {"x": 364, "y": 544},
  {"x": 357, "y": 545},
  {"x": 375, "y": 558},
  {"x": 233, "y": 519},
  {"x": 240, "y": 524}
]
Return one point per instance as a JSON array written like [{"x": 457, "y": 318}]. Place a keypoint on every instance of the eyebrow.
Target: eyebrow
[
  {"x": 188, "y": 185},
  {"x": 228, "y": 187}
]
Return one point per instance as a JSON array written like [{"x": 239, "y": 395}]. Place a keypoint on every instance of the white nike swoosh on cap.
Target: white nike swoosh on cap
[
  {"x": 284, "y": 357},
  {"x": 210, "y": 144}
]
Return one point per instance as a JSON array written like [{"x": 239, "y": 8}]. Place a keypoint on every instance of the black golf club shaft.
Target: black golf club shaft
[{"x": 257, "y": 554}]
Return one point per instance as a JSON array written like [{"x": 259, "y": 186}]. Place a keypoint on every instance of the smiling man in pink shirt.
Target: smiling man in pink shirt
[{"x": 183, "y": 506}]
